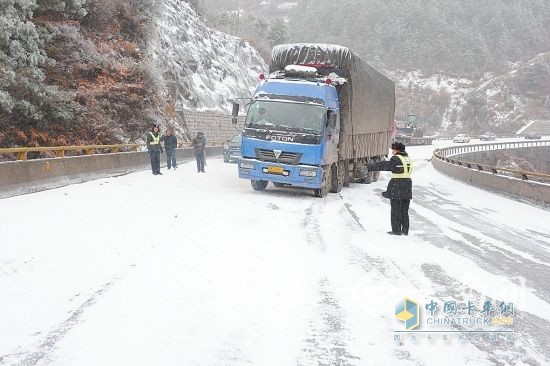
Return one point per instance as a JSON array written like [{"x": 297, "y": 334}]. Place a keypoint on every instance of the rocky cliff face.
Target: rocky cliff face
[{"x": 202, "y": 68}]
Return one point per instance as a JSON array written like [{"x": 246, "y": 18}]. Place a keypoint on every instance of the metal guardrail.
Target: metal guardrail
[
  {"x": 59, "y": 151},
  {"x": 504, "y": 136},
  {"x": 447, "y": 153}
]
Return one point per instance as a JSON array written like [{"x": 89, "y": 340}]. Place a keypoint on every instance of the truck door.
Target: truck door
[{"x": 332, "y": 136}]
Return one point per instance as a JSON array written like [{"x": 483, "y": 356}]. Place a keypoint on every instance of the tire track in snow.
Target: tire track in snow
[
  {"x": 530, "y": 332},
  {"x": 530, "y": 338},
  {"x": 54, "y": 336},
  {"x": 492, "y": 258},
  {"x": 326, "y": 340}
]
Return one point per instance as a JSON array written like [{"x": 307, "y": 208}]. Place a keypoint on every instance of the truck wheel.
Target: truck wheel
[
  {"x": 258, "y": 185},
  {"x": 333, "y": 178},
  {"x": 323, "y": 191},
  {"x": 369, "y": 178},
  {"x": 336, "y": 179},
  {"x": 341, "y": 175},
  {"x": 345, "y": 171}
]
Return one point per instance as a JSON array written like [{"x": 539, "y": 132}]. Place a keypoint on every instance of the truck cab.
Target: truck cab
[{"x": 291, "y": 131}]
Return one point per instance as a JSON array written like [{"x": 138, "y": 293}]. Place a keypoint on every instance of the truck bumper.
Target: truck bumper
[{"x": 281, "y": 173}]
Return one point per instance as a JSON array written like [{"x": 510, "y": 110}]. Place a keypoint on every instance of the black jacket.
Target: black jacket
[
  {"x": 170, "y": 142},
  {"x": 398, "y": 188},
  {"x": 199, "y": 143}
]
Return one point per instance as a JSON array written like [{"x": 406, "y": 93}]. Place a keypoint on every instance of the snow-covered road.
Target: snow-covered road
[{"x": 198, "y": 269}]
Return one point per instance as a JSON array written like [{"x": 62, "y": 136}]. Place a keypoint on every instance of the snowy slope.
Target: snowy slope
[
  {"x": 506, "y": 100},
  {"x": 202, "y": 68}
]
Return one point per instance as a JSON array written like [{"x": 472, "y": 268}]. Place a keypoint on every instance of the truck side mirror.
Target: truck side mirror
[{"x": 235, "y": 113}]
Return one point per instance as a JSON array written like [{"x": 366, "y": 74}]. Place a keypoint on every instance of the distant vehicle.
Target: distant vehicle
[
  {"x": 232, "y": 149},
  {"x": 461, "y": 138},
  {"x": 488, "y": 136},
  {"x": 533, "y": 135},
  {"x": 411, "y": 131}
]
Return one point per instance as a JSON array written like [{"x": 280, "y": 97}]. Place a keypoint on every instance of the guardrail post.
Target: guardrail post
[
  {"x": 60, "y": 153},
  {"x": 524, "y": 176},
  {"x": 22, "y": 155},
  {"x": 114, "y": 150},
  {"x": 90, "y": 151}
]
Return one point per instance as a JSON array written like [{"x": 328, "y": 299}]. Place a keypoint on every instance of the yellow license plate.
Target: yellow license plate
[{"x": 275, "y": 169}]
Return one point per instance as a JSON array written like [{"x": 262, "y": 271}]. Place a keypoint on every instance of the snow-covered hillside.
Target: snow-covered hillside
[
  {"x": 203, "y": 68},
  {"x": 501, "y": 101}
]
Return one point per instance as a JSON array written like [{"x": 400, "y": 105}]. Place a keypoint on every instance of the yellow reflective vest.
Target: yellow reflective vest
[
  {"x": 156, "y": 139},
  {"x": 406, "y": 164}
]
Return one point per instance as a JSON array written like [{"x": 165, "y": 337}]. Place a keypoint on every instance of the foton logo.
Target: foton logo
[{"x": 281, "y": 138}]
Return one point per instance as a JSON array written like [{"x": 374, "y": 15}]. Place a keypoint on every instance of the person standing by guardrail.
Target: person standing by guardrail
[
  {"x": 154, "y": 147},
  {"x": 170, "y": 144},
  {"x": 199, "y": 143},
  {"x": 399, "y": 189}
]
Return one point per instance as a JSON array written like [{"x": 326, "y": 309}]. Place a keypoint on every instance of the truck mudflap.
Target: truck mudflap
[{"x": 295, "y": 175}]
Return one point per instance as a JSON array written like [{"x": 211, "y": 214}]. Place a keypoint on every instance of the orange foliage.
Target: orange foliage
[
  {"x": 170, "y": 109},
  {"x": 39, "y": 136},
  {"x": 21, "y": 136},
  {"x": 61, "y": 141},
  {"x": 128, "y": 49}
]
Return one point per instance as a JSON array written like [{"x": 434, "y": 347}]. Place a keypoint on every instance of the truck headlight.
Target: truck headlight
[
  {"x": 246, "y": 165},
  {"x": 308, "y": 173}
]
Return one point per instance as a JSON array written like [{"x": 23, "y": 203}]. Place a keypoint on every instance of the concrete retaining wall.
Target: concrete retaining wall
[
  {"x": 20, "y": 177},
  {"x": 217, "y": 127},
  {"x": 532, "y": 191}
]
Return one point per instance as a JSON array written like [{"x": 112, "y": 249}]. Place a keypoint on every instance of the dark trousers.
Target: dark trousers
[
  {"x": 171, "y": 158},
  {"x": 199, "y": 155},
  {"x": 154, "y": 155},
  {"x": 400, "y": 216}
]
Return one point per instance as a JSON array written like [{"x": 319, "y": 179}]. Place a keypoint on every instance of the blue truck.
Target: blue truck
[{"x": 319, "y": 117}]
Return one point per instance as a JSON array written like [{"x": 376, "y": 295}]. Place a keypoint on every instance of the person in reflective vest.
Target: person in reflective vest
[
  {"x": 154, "y": 147},
  {"x": 399, "y": 189}
]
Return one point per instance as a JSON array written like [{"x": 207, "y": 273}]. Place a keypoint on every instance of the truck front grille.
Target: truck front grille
[{"x": 285, "y": 157}]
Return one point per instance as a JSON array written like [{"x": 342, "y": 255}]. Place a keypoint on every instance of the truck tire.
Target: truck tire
[
  {"x": 259, "y": 185},
  {"x": 345, "y": 164},
  {"x": 369, "y": 178},
  {"x": 323, "y": 191},
  {"x": 336, "y": 178},
  {"x": 333, "y": 178}
]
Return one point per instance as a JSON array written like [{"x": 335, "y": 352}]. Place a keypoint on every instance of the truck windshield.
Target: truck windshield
[{"x": 296, "y": 117}]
